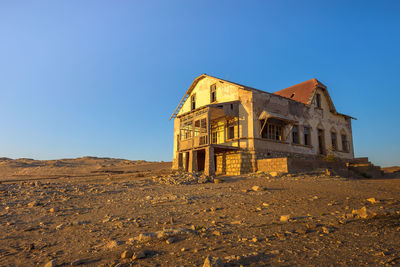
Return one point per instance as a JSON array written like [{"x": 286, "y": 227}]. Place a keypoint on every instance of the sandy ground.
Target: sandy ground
[{"x": 91, "y": 211}]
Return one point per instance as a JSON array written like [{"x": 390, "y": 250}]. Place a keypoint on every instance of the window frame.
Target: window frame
[
  {"x": 334, "y": 141},
  {"x": 307, "y": 135},
  {"x": 318, "y": 100},
  {"x": 193, "y": 102},
  {"x": 213, "y": 93},
  {"x": 295, "y": 134}
]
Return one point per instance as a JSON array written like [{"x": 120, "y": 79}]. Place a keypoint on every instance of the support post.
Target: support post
[{"x": 209, "y": 167}]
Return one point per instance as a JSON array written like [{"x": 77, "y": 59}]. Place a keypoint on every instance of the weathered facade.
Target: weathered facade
[{"x": 221, "y": 127}]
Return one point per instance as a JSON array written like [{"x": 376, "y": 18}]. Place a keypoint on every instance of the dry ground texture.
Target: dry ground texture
[{"x": 109, "y": 212}]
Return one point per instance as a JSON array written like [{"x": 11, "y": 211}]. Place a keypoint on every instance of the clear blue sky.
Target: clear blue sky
[{"x": 102, "y": 78}]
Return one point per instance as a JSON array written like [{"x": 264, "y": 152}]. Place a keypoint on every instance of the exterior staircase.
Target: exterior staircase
[{"x": 364, "y": 168}]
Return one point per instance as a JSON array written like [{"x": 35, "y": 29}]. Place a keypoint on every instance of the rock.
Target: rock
[
  {"x": 78, "y": 262},
  {"x": 55, "y": 209},
  {"x": 265, "y": 204},
  {"x": 285, "y": 218},
  {"x": 273, "y": 174},
  {"x": 218, "y": 180},
  {"x": 256, "y": 188},
  {"x": 60, "y": 226},
  {"x": 127, "y": 254},
  {"x": 362, "y": 213},
  {"x": 328, "y": 172},
  {"x": 139, "y": 255},
  {"x": 372, "y": 200},
  {"x": 33, "y": 204},
  {"x": 51, "y": 263},
  {"x": 113, "y": 244},
  {"x": 326, "y": 230},
  {"x": 170, "y": 240},
  {"x": 213, "y": 262},
  {"x": 147, "y": 236}
]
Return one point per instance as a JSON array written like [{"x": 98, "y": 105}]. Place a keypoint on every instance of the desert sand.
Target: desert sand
[{"x": 111, "y": 212}]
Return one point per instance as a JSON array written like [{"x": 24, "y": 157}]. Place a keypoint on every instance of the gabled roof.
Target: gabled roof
[{"x": 302, "y": 92}]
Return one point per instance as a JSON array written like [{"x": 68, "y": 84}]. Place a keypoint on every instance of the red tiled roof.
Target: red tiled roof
[{"x": 301, "y": 92}]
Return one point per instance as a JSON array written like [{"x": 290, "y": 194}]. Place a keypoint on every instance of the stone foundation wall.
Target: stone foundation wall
[
  {"x": 235, "y": 163},
  {"x": 292, "y": 165},
  {"x": 273, "y": 165}
]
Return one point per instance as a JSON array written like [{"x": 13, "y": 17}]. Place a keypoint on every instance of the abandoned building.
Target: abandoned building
[{"x": 221, "y": 127}]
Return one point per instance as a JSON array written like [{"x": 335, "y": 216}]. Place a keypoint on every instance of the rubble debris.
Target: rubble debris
[{"x": 186, "y": 178}]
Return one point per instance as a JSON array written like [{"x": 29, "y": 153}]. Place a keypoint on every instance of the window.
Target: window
[
  {"x": 318, "y": 99},
  {"x": 213, "y": 93},
  {"x": 295, "y": 134},
  {"x": 231, "y": 131},
  {"x": 193, "y": 102},
  {"x": 334, "y": 143},
  {"x": 214, "y": 139},
  {"x": 345, "y": 144},
  {"x": 307, "y": 136},
  {"x": 272, "y": 130},
  {"x": 186, "y": 130}
]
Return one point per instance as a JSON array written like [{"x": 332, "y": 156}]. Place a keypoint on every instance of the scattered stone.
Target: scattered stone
[
  {"x": 362, "y": 213},
  {"x": 218, "y": 180},
  {"x": 55, "y": 209},
  {"x": 114, "y": 243},
  {"x": 372, "y": 200},
  {"x": 33, "y": 204},
  {"x": 140, "y": 255},
  {"x": 79, "y": 262},
  {"x": 127, "y": 254},
  {"x": 326, "y": 230},
  {"x": 274, "y": 174},
  {"x": 213, "y": 262},
  {"x": 257, "y": 188},
  {"x": 171, "y": 240},
  {"x": 60, "y": 226},
  {"x": 51, "y": 263},
  {"x": 285, "y": 218}
]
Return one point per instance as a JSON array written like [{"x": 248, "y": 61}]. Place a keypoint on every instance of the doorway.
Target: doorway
[{"x": 201, "y": 159}]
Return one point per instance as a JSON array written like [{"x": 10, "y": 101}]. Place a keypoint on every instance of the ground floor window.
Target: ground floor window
[
  {"x": 307, "y": 136},
  {"x": 334, "y": 141},
  {"x": 295, "y": 134},
  {"x": 345, "y": 144}
]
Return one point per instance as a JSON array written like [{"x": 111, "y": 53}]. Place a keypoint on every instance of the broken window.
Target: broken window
[
  {"x": 307, "y": 136},
  {"x": 345, "y": 144},
  {"x": 186, "y": 130},
  {"x": 213, "y": 93},
  {"x": 231, "y": 131},
  {"x": 217, "y": 133},
  {"x": 272, "y": 130},
  {"x": 193, "y": 102},
  {"x": 318, "y": 100},
  {"x": 295, "y": 134},
  {"x": 334, "y": 141},
  {"x": 214, "y": 136}
]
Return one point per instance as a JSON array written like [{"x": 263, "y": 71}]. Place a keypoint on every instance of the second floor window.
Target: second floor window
[
  {"x": 193, "y": 102},
  {"x": 213, "y": 93},
  {"x": 295, "y": 134},
  {"x": 272, "y": 131},
  {"x": 318, "y": 100},
  {"x": 231, "y": 131}
]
